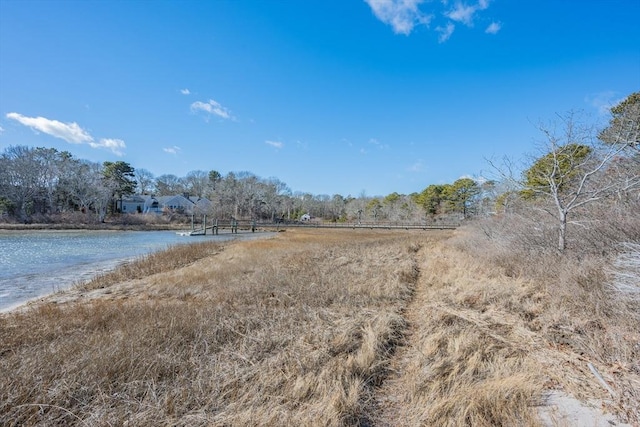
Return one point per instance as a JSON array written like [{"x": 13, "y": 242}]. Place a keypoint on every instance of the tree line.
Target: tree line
[
  {"x": 577, "y": 165},
  {"x": 45, "y": 181}
]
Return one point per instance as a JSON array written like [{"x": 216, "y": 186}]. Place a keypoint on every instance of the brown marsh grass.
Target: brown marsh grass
[
  {"x": 294, "y": 330},
  {"x": 347, "y": 327},
  {"x": 568, "y": 304}
]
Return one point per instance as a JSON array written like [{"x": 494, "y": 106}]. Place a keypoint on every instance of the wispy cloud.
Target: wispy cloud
[
  {"x": 493, "y": 28},
  {"x": 462, "y": 13},
  {"x": 418, "y": 166},
  {"x": 405, "y": 15},
  {"x": 402, "y": 15},
  {"x": 212, "y": 107},
  {"x": 185, "y": 91},
  {"x": 374, "y": 141},
  {"x": 445, "y": 32},
  {"x": 1, "y": 129},
  {"x": 116, "y": 146},
  {"x": 275, "y": 144},
  {"x": 603, "y": 101},
  {"x": 465, "y": 12},
  {"x": 70, "y": 132},
  {"x": 172, "y": 150}
]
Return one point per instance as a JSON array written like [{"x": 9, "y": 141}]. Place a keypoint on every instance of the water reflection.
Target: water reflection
[{"x": 35, "y": 263}]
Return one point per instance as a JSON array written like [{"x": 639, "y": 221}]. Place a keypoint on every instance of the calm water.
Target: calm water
[{"x": 34, "y": 263}]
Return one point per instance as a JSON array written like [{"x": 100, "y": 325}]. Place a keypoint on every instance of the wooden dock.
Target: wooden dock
[{"x": 232, "y": 226}]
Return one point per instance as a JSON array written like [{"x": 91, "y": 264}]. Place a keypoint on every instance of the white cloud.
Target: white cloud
[
  {"x": 211, "y": 107},
  {"x": 172, "y": 150},
  {"x": 464, "y": 13},
  {"x": 185, "y": 91},
  {"x": 1, "y": 129},
  {"x": 493, "y": 28},
  {"x": 445, "y": 32},
  {"x": 402, "y": 15},
  {"x": 116, "y": 146},
  {"x": 276, "y": 144},
  {"x": 70, "y": 132}
]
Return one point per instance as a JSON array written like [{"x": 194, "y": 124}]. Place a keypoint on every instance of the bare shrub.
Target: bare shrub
[
  {"x": 577, "y": 315},
  {"x": 626, "y": 272}
]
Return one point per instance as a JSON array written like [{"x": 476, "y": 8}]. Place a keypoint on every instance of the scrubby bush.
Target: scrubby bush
[{"x": 626, "y": 272}]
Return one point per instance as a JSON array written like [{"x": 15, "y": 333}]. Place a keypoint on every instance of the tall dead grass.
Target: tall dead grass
[
  {"x": 468, "y": 361},
  {"x": 173, "y": 258},
  {"x": 337, "y": 328},
  {"x": 581, "y": 317},
  {"x": 295, "y": 330}
]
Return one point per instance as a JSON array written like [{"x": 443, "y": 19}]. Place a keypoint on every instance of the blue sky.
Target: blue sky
[{"x": 333, "y": 96}]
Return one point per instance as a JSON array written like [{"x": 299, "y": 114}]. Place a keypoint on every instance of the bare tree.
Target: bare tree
[
  {"x": 196, "y": 183},
  {"x": 22, "y": 178},
  {"x": 169, "y": 185},
  {"x": 574, "y": 171},
  {"x": 87, "y": 188},
  {"x": 145, "y": 181}
]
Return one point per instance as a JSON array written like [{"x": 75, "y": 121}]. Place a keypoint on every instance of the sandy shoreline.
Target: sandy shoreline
[{"x": 73, "y": 291}]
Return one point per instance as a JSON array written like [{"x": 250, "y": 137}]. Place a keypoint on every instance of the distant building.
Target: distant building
[
  {"x": 133, "y": 204},
  {"x": 177, "y": 203}
]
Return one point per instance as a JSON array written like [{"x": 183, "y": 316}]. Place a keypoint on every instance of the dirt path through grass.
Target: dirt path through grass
[
  {"x": 464, "y": 359},
  {"x": 366, "y": 327},
  {"x": 479, "y": 349},
  {"x": 390, "y": 407}
]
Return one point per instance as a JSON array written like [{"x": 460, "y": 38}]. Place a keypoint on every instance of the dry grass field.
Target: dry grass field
[{"x": 317, "y": 328}]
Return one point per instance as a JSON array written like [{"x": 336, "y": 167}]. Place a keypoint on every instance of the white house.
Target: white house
[
  {"x": 177, "y": 203},
  {"x": 151, "y": 205},
  {"x": 133, "y": 204}
]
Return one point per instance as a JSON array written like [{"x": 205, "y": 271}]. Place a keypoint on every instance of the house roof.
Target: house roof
[
  {"x": 134, "y": 199},
  {"x": 177, "y": 200}
]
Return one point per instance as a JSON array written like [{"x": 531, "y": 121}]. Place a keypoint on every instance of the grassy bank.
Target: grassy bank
[
  {"x": 80, "y": 221},
  {"x": 296, "y": 329},
  {"x": 94, "y": 226},
  {"x": 310, "y": 327}
]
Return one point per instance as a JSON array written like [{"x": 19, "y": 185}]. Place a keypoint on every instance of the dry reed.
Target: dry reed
[
  {"x": 352, "y": 327},
  {"x": 297, "y": 329}
]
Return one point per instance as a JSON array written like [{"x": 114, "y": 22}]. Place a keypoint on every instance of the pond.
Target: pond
[{"x": 36, "y": 263}]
